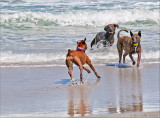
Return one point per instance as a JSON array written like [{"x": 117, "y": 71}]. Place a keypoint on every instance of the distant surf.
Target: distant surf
[{"x": 80, "y": 18}]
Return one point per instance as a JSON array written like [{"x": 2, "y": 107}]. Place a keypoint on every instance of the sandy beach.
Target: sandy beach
[
  {"x": 35, "y": 36},
  {"x": 123, "y": 91}
]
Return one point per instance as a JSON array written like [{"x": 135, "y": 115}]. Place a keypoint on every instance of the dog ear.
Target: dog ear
[
  {"x": 116, "y": 25},
  {"x": 84, "y": 41},
  {"x": 131, "y": 33},
  {"x": 105, "y": 28},
  {"x": 139, "y": 33}
]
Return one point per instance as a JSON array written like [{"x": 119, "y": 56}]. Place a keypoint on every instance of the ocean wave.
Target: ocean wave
[
  {"x": 50, "y": 59},
  {"x": 155, "y": 4},
  {"x": 80, "y": 18}
]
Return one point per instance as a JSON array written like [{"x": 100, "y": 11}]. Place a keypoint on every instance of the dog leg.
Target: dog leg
[
  {"x": 78, "y": 62},
  {"x": 85, "y": 68},
  {"x": 139, "y": 58},
  {"x": 130, "y": 55},
  {"x": 124, "y": 56},
  {"x": 69, "y": 64},
  {"x": 92, "y": 67},
  {"x": 70, "y": 69},
  {"x": 120, "y": 51},
  {"x": 81, "y": 73},
  {"x": 120, "y": 56},
  {"x": 93, "y": 42}
]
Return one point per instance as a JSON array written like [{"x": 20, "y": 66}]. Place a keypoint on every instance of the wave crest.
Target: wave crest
[{"x": 80, "y": 18}]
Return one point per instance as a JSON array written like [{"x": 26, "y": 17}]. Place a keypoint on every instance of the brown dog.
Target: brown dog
[
  {"x": 131, "y": 45},
  {"x": 79, "y": 57},
  {"x": 107, "y": 36}
]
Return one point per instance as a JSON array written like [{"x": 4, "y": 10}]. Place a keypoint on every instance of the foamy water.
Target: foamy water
[
  {"x": 46, "y": 59},
  {"x": 40, "y": 32},
  {"x": 80, "y": 18}
]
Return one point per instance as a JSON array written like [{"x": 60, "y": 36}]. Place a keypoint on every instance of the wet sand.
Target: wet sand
[{"x": 123, "y": 91}]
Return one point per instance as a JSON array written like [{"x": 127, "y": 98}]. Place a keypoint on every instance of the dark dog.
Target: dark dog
[
  {"x": 107, "y": 36},
  {"x": 79, "y": 57},
  {"x": 131, "y": 45}
]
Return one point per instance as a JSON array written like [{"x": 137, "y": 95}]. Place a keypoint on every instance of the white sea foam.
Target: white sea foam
[
  {"x": 81, "y": 18},
  {"x": 11, "y": 59}
]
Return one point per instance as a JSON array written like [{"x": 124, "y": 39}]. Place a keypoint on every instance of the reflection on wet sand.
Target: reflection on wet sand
[
  {"x": 122, "y": 94},
  {"x": 130, "y": 93},
  {"x": 79, "y": 99}
]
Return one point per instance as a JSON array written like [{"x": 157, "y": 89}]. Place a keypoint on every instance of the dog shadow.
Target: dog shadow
[
  {"x": 63, "y": 82},
  {"x": 119, "y": 65},
  {"x": 77, "y": 82}
]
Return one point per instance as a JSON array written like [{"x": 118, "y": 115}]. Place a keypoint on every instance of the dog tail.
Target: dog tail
[
  {"x": 93, "y": 42},
  {"x": 120, "y": 31},
  {"x": 69, "y": 52}
]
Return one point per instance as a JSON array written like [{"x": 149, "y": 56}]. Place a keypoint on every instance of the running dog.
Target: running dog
[
  {"x": 107, "y": 36},
  {"x": 79, "y": 58},
  {"x": 131, "y": 45}
]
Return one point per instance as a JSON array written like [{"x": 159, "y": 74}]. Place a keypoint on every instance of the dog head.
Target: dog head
[
  {"x": 81, "y": 45},
  {"x": 110, "y": 29},
  {"x": 135, "y": 38}
]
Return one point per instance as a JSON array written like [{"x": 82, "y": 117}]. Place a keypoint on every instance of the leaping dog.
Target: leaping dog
[
  {"x": 79, "y": 58},
  {"x": 131, "y": 45},
  {"x": 107, "y": 36}
]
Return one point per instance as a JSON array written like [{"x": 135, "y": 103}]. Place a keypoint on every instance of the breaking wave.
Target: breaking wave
[{"x": 80, "y": 18}]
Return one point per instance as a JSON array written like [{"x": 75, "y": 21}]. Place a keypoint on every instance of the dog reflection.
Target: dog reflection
[
  {"x": 130, "y": 92},
  {"x": 78, "y": 101}
]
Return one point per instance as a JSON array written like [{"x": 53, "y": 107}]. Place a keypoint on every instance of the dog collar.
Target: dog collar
[{"x": 81, "y": 48}]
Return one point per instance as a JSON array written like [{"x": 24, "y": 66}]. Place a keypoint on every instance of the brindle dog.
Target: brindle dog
[
  {"x": 131, "y": 45},
  {"x": 107, "y": 36},
  {"x": 79, "y": 58}
]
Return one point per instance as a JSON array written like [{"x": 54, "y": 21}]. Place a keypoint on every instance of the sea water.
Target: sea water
[{"x": 40, "y": 32}]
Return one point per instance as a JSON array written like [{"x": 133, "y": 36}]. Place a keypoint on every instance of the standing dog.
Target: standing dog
[
  {"x": 79, "y": 58},
  {"x": 131, "y": 45},
  {"x": 107, "y": 36}
]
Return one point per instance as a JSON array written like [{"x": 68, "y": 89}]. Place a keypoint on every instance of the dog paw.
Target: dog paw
[
  {"x": 98, "y": 76},
  {"x": 72, "y": 81},
  {"x": 88, "y": 71},
  {"x": 81, "y": 82},
  {"x": 134, "y": 63}
]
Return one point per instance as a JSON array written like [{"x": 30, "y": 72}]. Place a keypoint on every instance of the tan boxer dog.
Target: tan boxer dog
[{"x": 79, "y": 58}]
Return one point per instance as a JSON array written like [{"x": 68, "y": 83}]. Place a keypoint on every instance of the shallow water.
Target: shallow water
[
  {"x": 47, "y": 91},
  {"x": 35, "y": 37}
]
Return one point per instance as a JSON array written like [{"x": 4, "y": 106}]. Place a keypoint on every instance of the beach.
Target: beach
[
  {"x": 122, "y": 91},
  {"x": 35, "y": 36}
]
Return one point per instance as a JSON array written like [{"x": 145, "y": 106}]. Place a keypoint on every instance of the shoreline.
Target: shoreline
[
  {"x": 95, "y": 63},
  {"x": 123, "y": 91}
]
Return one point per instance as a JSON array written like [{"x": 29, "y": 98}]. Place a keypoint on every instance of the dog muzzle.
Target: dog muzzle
[{"x": 111, "y": 32}]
